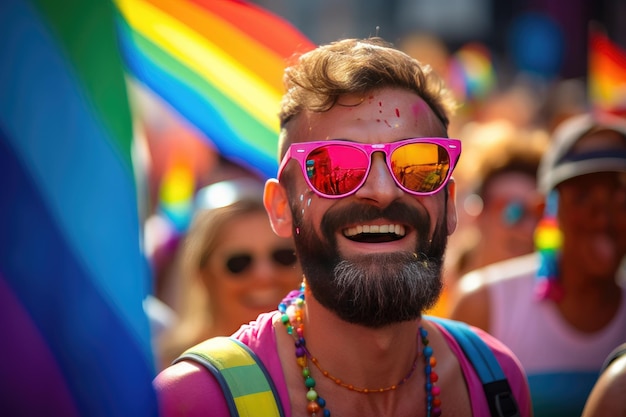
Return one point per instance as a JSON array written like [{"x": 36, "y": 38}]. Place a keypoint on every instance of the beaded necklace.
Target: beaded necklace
[{"x": 292, "y": 310}]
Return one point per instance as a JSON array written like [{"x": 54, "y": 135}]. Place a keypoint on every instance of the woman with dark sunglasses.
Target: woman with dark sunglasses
[{"x": 233, "y": 267}]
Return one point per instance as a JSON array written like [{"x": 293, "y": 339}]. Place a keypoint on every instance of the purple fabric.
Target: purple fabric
[{"x": 31, "y": 383}]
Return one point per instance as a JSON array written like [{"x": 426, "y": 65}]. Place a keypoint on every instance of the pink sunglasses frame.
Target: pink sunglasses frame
[{"x": 300, "y": 151}]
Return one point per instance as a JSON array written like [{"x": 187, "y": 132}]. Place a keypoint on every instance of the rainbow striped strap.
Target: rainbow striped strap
[{"x": 247, "y": 386}]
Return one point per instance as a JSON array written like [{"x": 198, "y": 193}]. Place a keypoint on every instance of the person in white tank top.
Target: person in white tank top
[{"x": 562, "y": 309}]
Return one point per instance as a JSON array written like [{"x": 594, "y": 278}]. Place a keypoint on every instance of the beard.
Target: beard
[{"x": 372, "y": 290}]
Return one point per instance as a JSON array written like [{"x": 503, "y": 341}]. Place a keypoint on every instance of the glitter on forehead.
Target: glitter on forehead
[{"x": 418, "y": 108}]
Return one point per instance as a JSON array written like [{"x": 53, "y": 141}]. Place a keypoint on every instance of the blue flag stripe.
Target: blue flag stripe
[
  {"x": 100, "y": 359},
  {"x": 53, "y": 130}
]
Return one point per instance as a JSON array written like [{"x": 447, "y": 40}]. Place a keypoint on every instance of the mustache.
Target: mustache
[{"x": 396, "y": 212}]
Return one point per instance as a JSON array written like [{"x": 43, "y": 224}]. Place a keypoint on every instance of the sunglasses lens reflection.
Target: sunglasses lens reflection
[
  {"x": 513, "y": 213},
  {"x": 420, "y": 167},
  {"x": 338, "y": 169}
]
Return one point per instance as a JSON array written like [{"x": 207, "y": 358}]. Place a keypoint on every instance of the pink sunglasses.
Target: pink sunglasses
[{"x": 338, "y": 168}]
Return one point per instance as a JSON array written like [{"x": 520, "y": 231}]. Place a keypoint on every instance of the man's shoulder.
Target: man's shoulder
[
  {"x": 510, "y": 364},
  {"x": 499, "y": 349},
  {"x": 476, "y": 361},
  {"x": 507, "y": 272},
  {"x": 187, "y": 389}
]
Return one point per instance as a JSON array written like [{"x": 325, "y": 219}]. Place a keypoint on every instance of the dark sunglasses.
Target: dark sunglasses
[
  {"x": 239, "y": 263},
  {"x": 337, "y": 168}
]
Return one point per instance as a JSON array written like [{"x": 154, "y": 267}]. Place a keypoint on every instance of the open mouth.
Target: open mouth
[{"x": 375, "y": 233}]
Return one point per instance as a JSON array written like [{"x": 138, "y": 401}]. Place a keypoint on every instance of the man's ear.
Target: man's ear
[
  {"x": 451, "y": 206},
  {"x": 277, "y": 207}
]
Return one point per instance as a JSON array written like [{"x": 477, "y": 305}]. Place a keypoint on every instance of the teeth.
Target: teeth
[{"x": 366, "y": 228}]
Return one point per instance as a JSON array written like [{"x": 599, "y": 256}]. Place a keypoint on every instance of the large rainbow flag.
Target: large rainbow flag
[
  {"x": 219, "y": 63},
  {"x": 606, "y": 74},
  {"x": 75, "y": 339}
]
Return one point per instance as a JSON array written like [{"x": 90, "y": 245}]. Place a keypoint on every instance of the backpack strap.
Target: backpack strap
[
  {"x": 501, "y": 401},
  {"x": 245, "y": 382}
]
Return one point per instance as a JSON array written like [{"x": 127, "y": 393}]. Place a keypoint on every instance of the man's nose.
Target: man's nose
[{"x": 379, "y": 185}]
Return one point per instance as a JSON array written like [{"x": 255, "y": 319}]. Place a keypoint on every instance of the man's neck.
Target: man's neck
[{"x": 345, "y": 347}]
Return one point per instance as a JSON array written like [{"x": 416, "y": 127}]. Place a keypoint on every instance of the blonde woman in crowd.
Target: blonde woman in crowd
[{"x": 233, "y": 267}]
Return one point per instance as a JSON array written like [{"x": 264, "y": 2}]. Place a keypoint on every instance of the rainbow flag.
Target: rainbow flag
[
  {"x": 219, "y": 63},
  {"x": 75, "y": 338},
  {"x": 471, "y": 75},
  {"x": 606, "y": 74}
]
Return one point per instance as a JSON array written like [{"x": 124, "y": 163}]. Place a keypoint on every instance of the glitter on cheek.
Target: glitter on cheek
[
  {"x": 308, "y": 202},
  {"x": 302, "y": 201}
]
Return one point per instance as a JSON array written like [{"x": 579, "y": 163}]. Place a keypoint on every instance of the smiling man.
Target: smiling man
[{"x": 365, "y": 188}]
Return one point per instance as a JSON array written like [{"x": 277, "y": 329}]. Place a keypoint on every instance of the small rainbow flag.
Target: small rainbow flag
[
  {"x": 606, "y": 74},
  {"x": 472, "y": 76},
  {"x": 75, "y": 338},
  {"x": 219, "y": 63}
]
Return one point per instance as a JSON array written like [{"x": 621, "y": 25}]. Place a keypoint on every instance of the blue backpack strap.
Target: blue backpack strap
[
  {"x": 501, "y": 401},
  {"x": 247, "y": 386}
]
